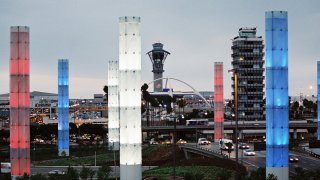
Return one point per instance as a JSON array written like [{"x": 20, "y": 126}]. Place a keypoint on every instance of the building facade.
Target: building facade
[{"x": 247, "y": 62}]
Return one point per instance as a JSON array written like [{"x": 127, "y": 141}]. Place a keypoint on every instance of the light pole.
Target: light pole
[
  {"x": 174, "y": 146},
  {"x": 235, "y": 74}
]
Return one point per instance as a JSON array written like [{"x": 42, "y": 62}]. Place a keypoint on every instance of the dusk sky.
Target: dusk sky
[{"x": 196, "y": 33}]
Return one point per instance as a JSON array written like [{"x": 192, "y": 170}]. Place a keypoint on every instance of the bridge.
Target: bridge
[
  {"x": 187, "y": 149},
  {"x": 309, "y": 126}
]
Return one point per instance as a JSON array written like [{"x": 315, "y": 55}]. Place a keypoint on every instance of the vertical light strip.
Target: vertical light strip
[
  {"x": 19, "y": 101},
  {"x": 130, "y": 98},
  {"x": 63, "y": 107},
  {"x": 113, "y": 106},
  {"x": 318, "y": 80},
  {"x": 277, "y": 113},
  {"x": 218, "y": 101}
]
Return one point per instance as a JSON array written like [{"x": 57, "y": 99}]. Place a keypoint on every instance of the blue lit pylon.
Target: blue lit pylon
[
  {"x": 63, "y": 107},
  {"x": 277, "y": 114}
]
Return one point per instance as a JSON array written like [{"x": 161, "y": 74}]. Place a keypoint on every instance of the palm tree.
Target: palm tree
[{"x": 105, "y": 90}]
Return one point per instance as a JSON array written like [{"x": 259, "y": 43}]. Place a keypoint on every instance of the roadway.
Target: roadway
[
  {"x": 254, "y": 162},
  {"x": 309, "y": 126}
]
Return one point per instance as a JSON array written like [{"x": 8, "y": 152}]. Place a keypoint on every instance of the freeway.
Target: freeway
[
  {"x": 309, "y": 126},
  {"x": 254, "y": 162}
]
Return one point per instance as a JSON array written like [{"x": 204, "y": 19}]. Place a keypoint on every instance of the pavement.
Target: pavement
[{"x": 259, "y": 160}]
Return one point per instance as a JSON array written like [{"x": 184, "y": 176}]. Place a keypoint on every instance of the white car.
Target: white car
[
  {"x": 225, "y": 147},
  {"x": 203, "y": 141},
  {"x": 249, "y": 152},
  {"x": 152, "y": 141},
  {"x": 56, "y": 172}
]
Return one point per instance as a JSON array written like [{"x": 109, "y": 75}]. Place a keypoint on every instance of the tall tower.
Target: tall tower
[
  {"x": 63, "y": 107},
  {"x": 248, "y": 63},
  {"x": 113, "y": 106},
  {"x": 277, "y": 112},
  {"x": 130, "y": 98},
  {"x": 157, "y": 56},
  {"x": 19, "y": 101},
  {"x": 318, "y": 98},
  {"x": 218, "y": 101}
]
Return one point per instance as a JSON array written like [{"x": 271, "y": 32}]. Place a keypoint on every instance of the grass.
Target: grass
[
  {"x": 86, "y": 159},
  {"x": 78, "y": 161},
  {"x": 207, "y": 172}
]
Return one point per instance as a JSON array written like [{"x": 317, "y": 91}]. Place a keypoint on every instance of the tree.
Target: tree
[
  {"x": 103, "y": 172},
  {"x": 259, "y": 174},
  {"x": 105, "y": 90},
  {"x": 85, "y": 172},
  {"x": 271, "y": 177},
  {"x": 91, "y": 173},
  {"x": 72, "y": 174},
  {"x": 300, "y": 173},
  {"x": 24, "y": 177}
]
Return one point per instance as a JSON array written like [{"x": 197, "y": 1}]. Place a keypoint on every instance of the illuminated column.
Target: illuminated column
[
  {"x": 63, "y": 107},
  {"x": 113, "y": 106},
  {"x": 277, "y": 113},
  {"x": 130, "y": 98},
  {"x": 218, "y": 101},
  {"x": 318, "y": 80},
  {"x": 19, "y": 101}
]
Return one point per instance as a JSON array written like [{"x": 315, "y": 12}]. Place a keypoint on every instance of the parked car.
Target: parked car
[
  {"x": 56, "y": 172},
  {"x": 203, "y": 141},
  {"x": 293, "y": 158},
  {"x": 249, "y": 152},
  {"x": 244, "y": 146},
  {"x": 181, "y": 141}
]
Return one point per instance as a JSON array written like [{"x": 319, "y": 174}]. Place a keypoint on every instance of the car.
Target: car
[
  {"x": 56, "y": 172},
  {"x": 244, "y": 146},
  {"x": 181, "y": 141},
  {"x": 249, "y": 152},
  {"x": 293, "y": 158},
  {"x": 225, "y": 147},
  {"x": 203, "y": 141},
  {"x": 166, "y": 142},
  {"x": 152, "y": 141}
]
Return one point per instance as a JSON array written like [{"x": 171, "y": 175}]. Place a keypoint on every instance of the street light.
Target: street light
[{"x": 235, "y": 74}]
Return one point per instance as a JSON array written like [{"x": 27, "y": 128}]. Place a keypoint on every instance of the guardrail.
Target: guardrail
[
  {"x": 204, "y": 151},
  {"x": 309, "y": 152}
]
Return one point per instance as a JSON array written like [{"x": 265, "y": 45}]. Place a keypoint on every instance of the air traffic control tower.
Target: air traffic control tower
[{"x": 157, "y": 56}]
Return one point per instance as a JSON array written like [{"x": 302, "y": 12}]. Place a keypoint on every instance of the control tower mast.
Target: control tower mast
[{"x": 157, "y": 56}]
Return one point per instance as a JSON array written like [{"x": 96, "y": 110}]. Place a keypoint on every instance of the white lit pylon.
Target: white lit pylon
[
  {"x": 113, "y": 106},
  {"x": 130, "y": 98}
]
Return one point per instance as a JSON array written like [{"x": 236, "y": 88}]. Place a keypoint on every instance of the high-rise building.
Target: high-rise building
[
  {"x": 19, "y": 101},
  {"x": 130, "y": 98},
  {"x": 157, "y": 56},
  {"x": 277, "y": 101},
  {"x": 63, "y": 107},
  {"x": 248, "y": 63}
]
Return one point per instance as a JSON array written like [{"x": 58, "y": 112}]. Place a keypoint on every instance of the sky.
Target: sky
[{"x": 196, "y": 33}]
